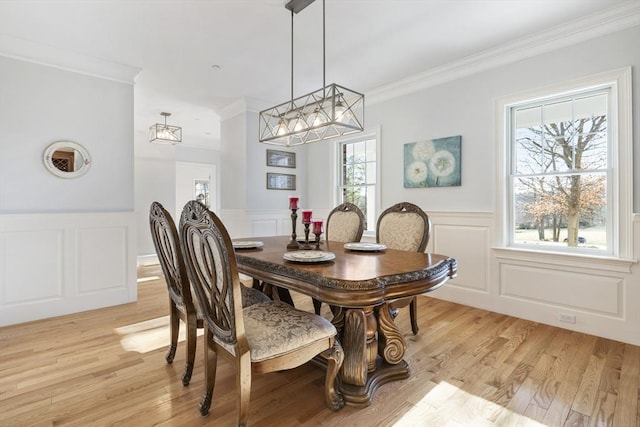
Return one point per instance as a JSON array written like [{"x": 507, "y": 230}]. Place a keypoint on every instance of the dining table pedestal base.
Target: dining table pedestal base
[{"x": 360, "y": 396}]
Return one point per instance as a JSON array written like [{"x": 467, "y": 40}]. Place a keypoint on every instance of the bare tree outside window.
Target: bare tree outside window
[{"x": 560, "y": 171}]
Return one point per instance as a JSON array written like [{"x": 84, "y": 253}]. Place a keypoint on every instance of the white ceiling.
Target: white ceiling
[{"x": 369, "y": 44}]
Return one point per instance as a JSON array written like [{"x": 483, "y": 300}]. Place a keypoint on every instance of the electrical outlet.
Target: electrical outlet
[{"x": 568, "y": 318}]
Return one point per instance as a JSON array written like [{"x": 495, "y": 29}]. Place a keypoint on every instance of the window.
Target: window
[
  {"x": 358, "y": 175},
  {"x": 567, "y": 179},
  {"x": 559, "y": 171}
]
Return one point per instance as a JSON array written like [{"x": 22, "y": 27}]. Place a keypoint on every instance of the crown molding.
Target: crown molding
[
  {"x": 25, "y": 50},
  {"x": 238, "y": 106},
  {"x": 242, "y": 106},
  {"x": 610, "y": 21}
]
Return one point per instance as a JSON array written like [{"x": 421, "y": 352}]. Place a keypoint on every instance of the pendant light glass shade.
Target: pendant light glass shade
[
  {"x": 328, "y": 112},
  {"x": 164, "y": 133}
]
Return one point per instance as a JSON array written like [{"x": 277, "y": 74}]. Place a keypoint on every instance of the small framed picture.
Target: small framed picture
[
  {"x": 281, "y": 159},
  {"x": 281, "y": 181}
]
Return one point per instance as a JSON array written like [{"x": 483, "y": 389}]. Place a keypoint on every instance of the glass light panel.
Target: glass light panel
[
  {"x": 359, "y": 150},
  {"x": 165, "y": 134},
  {"x": 527, "y": 133},
  {"x": 559, "y": 137},
  {"x": 591, "y": 125},
  {"x": 371, "y": 172}
]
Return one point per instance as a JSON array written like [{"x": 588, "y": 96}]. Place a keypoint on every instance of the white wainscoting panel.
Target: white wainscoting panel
[
  {"x": 242, "y": 224},
  {"x": 264, "y": 227},
  {"x": 56, "y": 264},
  {"x": 565, "y": 289},
  {"x": 472, "y": 256},
  {"x": 101, "y": 266},
  {"x": 599, "y": 294},
  {"x": 43, "y": 280}
]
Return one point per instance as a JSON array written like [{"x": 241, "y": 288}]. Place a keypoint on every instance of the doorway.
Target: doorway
[{"x": 195, "y": 181}]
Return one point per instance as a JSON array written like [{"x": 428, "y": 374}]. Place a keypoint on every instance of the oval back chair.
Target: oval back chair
[
  {"x": 345, "y": 223},
  {"x": 407, "y": 227},
  {"x": 263, "y": 337},
  {"x": 181, "y": 305}
]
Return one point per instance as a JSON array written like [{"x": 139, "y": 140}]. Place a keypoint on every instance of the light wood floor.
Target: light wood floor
[{"x": 470, "y": 367}]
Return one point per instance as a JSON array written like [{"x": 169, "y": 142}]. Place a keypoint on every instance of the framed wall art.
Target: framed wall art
[
  {"x": 433, "y": 163},
  {"x": 281, "y": 181},
  {"x": 281, "y": 159}
]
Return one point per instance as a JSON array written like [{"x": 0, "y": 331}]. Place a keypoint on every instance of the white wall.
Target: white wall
[
  {"x": 66, "y": 245},
  {"x": 602, "y": 294},
  {"x": 466, "y": 107},
  {"x": 233, "y": 165},
  {"x": 40, "y": 105},
  {"x": 244, "y": 169},
  {"x": 155, "y": 180}
]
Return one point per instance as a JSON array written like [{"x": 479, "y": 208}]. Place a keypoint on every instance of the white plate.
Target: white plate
[
  {"x": 246, "y": 244},
  {"x": 365, "y": 246},
  {"x": 309, "y": 256}
]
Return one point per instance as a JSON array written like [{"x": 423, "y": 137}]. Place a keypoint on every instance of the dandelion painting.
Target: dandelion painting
[{"x": 432, "y": 163}]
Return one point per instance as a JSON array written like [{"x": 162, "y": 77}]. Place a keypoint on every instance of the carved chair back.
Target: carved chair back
[
  {"x": 404, "y": 226},
  {"x": 182, "y": 306},
  {"x": 214, "y": 272},
  {"x": 345, "y": 223},
  {"x": 166, "y": 242}
]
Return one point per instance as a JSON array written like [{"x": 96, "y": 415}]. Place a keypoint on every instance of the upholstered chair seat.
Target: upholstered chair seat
[{"x": 275, "y": 328}]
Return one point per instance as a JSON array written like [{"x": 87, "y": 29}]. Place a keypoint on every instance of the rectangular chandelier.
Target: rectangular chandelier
[
  {"x": 164, "y": 133},
  {"x": 326, "y": 113}
]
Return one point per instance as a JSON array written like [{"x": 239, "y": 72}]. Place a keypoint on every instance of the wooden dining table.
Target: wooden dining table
[{"x": 359, "y": 286}]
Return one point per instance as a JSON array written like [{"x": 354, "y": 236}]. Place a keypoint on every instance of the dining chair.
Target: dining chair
[
  {"x": 261, "y": 338},
  {"x": 406, "y": 227},
  {"x": 345, "y": 223},
  {"x": 181, "y": 303}
]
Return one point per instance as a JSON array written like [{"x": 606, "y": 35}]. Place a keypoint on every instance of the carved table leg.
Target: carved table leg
[
  {"x": 392, "y": 343},
  {"x": 354, "y": 368},
  {"x": 363, "y": 371},
  {"x": 372, "y": 339}
]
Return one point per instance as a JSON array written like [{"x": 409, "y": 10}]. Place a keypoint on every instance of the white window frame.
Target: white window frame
[
  {"x": 621, "y": 162},
  {"x": 365, "y": 135}
]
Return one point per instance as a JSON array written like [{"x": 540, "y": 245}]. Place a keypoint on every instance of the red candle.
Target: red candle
[
  {"x": 306, "y": 216},
  {"x": 317, "y": 226},
  {"x": 293, "y": 202}
]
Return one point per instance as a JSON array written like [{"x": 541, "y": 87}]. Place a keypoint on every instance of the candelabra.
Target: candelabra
[
  {"x": 293, "y": 244},
  {"x": 306, "y": 221},
  {"x": 306, "y": 236},
  {"x": 317, "y": 230},
  {"x": 293, "y": 205}
]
